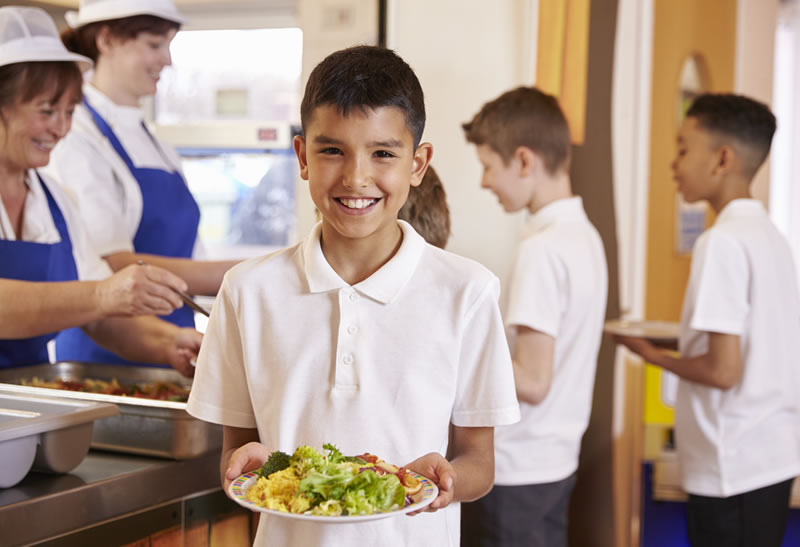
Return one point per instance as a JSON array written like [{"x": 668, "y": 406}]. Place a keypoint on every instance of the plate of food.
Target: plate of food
[
  {"x": 655, "y": 331},
  {"x": 330, "y": 487}
]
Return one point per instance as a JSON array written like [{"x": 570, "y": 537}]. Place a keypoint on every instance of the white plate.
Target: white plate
[
  {"x": 661, "y": 331},
  {"x": 239, "y": 487}
]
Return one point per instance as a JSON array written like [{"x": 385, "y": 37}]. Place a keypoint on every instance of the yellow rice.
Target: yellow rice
[{"x": 279, "y": 492}]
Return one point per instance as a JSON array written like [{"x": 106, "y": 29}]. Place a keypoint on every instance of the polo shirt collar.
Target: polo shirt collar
[
  {"x": 741, "y": 207},
  {"x": 383, "y": 286},
  {"x": 558, "y": 210}
]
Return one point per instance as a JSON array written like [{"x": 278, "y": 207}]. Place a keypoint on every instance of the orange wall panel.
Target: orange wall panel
[{"x": 682, "y": 28}]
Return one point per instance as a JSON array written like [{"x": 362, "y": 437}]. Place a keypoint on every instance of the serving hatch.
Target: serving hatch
[{"x": 143, "y": 426}]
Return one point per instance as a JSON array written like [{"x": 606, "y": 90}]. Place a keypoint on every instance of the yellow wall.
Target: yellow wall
[
  {"x": 682, "y": 28},
  {"x": 563, "y": 57}
]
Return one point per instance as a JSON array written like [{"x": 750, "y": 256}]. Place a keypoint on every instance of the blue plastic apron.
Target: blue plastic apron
[
  {"x": 29, "y": 261},
  {"x": 168, "y": 227}
]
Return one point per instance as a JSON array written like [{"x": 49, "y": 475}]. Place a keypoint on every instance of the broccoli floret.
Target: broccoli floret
[
  {"x": 277, "y": 461},
  {"x": 306, "y": 458}
]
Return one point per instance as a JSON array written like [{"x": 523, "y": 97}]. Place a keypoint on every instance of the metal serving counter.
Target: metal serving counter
[{"x": 104, "y": 487}]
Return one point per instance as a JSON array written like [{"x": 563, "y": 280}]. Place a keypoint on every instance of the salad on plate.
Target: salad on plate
[{"x": 330, "y": 484}]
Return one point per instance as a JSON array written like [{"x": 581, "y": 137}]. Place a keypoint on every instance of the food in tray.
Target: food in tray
[
  {"x": 162, "y": 391},
  {"x": 311, "y": 483}
]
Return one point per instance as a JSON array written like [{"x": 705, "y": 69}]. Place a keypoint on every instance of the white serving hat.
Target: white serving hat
[
  {"x": 29, "y": 34},
  {"x": 92, "y": 11}
]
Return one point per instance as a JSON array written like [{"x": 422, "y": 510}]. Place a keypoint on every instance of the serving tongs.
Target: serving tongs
[{"x": 188, "y": 300}]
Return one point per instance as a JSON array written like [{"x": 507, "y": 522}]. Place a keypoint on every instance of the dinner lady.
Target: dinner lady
[
  {"x": 44, "y": 249},
  {"x": 128, "y": 184}
]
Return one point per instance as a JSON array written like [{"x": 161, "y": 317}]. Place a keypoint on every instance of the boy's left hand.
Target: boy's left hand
[{"x": 439, "y": 470}]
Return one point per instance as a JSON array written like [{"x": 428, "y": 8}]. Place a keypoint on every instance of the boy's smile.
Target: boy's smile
[{"x": 360, "y": 168}]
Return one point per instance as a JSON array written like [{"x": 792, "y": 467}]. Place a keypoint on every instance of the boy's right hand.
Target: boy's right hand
[
  {"x": 245, "y": 458},
  {"x": 640, "y": 346},
  {"x": 140, "y": 290}
]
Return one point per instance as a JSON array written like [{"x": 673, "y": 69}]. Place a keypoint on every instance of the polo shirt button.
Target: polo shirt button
[
  {"x": 353, "y": 297},
  {"x": 352, "y": 329},
  {"x": 348, "y": 359}
]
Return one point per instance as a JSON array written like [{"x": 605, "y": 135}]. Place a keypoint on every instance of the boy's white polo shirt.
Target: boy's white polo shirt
[
  {"x": 558, "y": 286},
  {"x": 383, "y": 366},
  {"x": 742, "y": 282}
]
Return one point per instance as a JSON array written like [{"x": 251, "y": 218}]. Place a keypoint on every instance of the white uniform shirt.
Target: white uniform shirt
[
  {"x": 85, "y": 162},
  {"x": 742, "y": 282},
  {"x": 38, "y": 226},
  {"x": 558, "y": 285},
  {"x": 383, "y": 366}
]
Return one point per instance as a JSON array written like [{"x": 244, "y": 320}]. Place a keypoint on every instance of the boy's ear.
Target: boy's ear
[
  {"x": 300, "y": 149},
  {"x": 726, "y": 158},
  {"x": 528, "y": 160},
  {"x": 422, "y": 158}
]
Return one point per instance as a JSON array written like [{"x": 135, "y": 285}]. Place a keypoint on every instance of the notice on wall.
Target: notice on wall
[{"x": 690, "y": 223}]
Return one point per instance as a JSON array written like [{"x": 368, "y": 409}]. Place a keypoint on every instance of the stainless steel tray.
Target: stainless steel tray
[{"x": 143, "y": 426}]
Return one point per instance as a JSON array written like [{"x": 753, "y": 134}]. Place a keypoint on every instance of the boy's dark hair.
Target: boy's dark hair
[
  {"x": 740, "y": 118},
  {"x": 83, "y": 40},
  {"x": 426, "y": 210},
  {"x": 365, "y": 77},
  {"x": 525, "y": 117}
]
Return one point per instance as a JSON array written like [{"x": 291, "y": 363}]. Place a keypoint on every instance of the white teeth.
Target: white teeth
[{"x": 357, "y": 203}]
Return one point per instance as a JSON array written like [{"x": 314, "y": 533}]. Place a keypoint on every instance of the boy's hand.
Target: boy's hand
[
  {"x": 639, "y": 346},
  {"x": 245, "y": 458},
  {"x": 439, "y": 470}
]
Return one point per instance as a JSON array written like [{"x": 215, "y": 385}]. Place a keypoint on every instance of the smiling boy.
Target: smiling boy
[
  {"x": 736, "y": 414},
  {"x": 363, "y": 334}
]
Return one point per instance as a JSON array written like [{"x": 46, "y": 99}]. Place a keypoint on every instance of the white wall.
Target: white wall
[
  {"x": 756, "y": 24},
  {"x": 630, "y": 124},
  {"x": 784, "y": 194},
  {"x": 328, "y": 28},
  {"x": 466, "y": 52}
]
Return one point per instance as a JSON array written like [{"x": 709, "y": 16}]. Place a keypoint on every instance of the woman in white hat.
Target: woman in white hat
[
  {"x": 50, "y": 277},
  {"x": 128, "y": 185}
]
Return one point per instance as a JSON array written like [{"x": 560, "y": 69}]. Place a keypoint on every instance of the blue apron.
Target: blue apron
[
  {"x": 168, "y": 227},
  {"x": 28, "y": 261}
]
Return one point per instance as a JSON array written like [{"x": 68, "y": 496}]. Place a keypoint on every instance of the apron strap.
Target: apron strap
[{"x": 108, "y": 133}]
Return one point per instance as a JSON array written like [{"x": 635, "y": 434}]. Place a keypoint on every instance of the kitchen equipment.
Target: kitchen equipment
[
  {"x": 189, "y": 301},
  {"x": 44, "y": 433},
  {"x": 144, "y": 426}
]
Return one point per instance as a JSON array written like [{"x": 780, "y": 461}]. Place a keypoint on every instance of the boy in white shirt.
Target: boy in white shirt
[
  {"x": 554, "y": 309},
  {"x": 737, "y": 419},
  {"x": 363, "y": 334}
]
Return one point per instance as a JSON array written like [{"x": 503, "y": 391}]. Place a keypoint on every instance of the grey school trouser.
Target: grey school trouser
[{"x": 531, "y": 515}]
